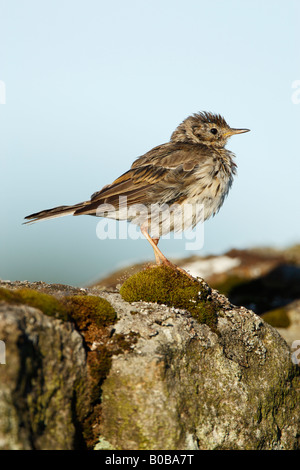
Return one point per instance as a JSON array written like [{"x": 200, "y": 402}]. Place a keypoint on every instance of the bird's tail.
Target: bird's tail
[{"x": 59, "y": 211}]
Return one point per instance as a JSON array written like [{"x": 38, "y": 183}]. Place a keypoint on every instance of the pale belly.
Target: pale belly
[
  {"x": 202, "y": 200},
  {"x": 197, "y": 208}
]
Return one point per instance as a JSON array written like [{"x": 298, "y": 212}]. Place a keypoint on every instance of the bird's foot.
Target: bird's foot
[{"x": 168, "y": 263}]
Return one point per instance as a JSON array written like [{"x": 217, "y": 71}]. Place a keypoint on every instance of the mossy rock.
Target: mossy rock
[
  {"x": 80, "y": 308},
  {"x": 84, "y": 309},
  {"x": 48, "y": 304},
  {"x": 278, "y": 318},
  {"x": 164, "y": 285}
]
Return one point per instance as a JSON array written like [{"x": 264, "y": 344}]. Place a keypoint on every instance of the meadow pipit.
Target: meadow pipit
[{"x": 193, "y": 169}]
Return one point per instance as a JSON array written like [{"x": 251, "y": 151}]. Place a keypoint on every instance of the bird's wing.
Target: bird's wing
[
  {"x": 171, "y": 155},
  {"x": 150, "y": 177}
]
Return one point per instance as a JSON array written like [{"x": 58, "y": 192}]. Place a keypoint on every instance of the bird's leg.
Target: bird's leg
[{"x": 159, "y": 256}]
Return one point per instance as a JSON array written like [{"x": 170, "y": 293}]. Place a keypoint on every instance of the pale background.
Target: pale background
[{"x": 91, "y": 85}]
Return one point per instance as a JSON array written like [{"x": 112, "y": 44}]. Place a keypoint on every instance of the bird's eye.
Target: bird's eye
[{"x": 214, "y": 131}]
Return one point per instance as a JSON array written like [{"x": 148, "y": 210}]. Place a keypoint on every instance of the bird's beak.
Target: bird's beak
[{"x": 236, "y": 131}]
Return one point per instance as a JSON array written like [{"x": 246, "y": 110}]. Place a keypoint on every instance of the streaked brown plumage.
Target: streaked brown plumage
[{"x": 193, "y": 168}]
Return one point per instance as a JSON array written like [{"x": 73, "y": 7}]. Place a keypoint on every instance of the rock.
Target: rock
[
  {"x": 42, "y": 381},
  {"x": 154, "y": 378},
  {"x": 265, "y": 280},
  {"x": 186, "y": 387}
]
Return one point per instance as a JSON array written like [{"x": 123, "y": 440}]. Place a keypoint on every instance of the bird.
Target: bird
[{"x": 193, "y": 169}]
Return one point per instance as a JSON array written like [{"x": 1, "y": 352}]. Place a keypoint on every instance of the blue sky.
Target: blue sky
[{"x": 91, "y": 85}]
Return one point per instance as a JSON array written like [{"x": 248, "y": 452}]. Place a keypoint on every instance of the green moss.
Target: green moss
[
  {"x": 8, "y": 295},
  {"x": 84, "y": 309},
  {"x": 164, "y": 285},
  {"x": 277, "y": 318},
  {"x": 48, "y": 304}
]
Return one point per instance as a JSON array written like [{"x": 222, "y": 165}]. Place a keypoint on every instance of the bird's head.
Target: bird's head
[{"x": 205, "y": 128}]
